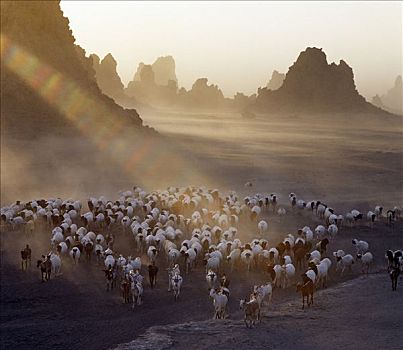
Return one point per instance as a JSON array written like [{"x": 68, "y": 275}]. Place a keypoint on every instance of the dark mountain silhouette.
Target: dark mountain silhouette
[
  {"x": 392, "y": 100},
  {"x": 276, "y": 80},
  {"x": 44, "y": 74},
  {"x": 310, "y": 85},
  {"x": 313, "y": 85}
]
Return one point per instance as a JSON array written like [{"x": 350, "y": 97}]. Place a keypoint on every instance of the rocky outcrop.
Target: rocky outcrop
[
  {"x": 377, "y": 101},
  {"x": 155, "y": 84},
  {"x": 313, "y": 85},
  {"x": 109, "y": 80},
  {"x": 240, "y": 101},
  {"x": 40, "y": 28},
  {"x": 44, "y": 73},
  {"x": 107, "y": 76},
  {"x": 392, "y": 100},
  {"x": 163, "y": 68},
  {"x": 145, "y": 89},
  {"x": 138, "y": 72},
  {"x": 276, "y": 80},
  {"x": 202, "y": 95}
]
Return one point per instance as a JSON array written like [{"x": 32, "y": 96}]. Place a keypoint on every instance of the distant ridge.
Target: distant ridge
[{"x": 313, "y": 85}]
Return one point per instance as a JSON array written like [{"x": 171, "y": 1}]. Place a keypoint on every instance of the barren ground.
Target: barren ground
[
  {"x": 76, "y": 311},
  {"x": 343, "y": 162}
]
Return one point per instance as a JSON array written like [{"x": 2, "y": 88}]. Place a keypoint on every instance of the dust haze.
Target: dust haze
[{"x": 173, "y": 170}]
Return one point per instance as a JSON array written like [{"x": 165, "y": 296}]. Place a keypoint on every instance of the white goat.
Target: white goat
[
  {"x": 213, "y": 263},
  {"x": 190, "y": 258},
  {"x": 262, "y": 227},
  {"x": 361, "y": 246},
  {"x": 211, "y": 279},
  {"x": 263, "y": 293},
  {"x": 366, "y": 261},
  {"x": 344, "y": 262},
  {"x": 152, "y": 253},
  {"x": 109, "y": 261},
  {"x": 75, "y": 255},
  {"x": 288, "y": 272},
  {"x": 332, "y": 230},
  {"x": 320, "y": 231},
  {"x": 56, "y": 264},
  {"x": 247, "y": 258},
  {"x": 234, "y": 257},
  {"x": 176, "y": 283},
  {"x": 220, "y": 301}
]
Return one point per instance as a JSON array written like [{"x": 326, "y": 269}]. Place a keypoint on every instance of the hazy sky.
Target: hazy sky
[{"x": 238, "y": 44}]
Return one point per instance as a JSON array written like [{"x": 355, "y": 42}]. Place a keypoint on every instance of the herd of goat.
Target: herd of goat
[{"x": 179, "y": 228}]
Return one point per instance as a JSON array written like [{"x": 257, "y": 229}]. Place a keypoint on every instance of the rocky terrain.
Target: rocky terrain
[
  {"x": 392, "y": 100},
  {"x": 163, "y": 68},
  {"x": 39, "y": 53},
  {"x": 313, "y": 85},
  {"x": 310, "y": 86},
  {"x": 275, "y": 81},
  {"x": 109, "y": 81}
]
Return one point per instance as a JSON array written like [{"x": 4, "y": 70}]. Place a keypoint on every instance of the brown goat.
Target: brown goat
[
  {"x": 252, "y": 311},
  {"x": 306, "y": 290},
  {"x": 125, "y": 288}
]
